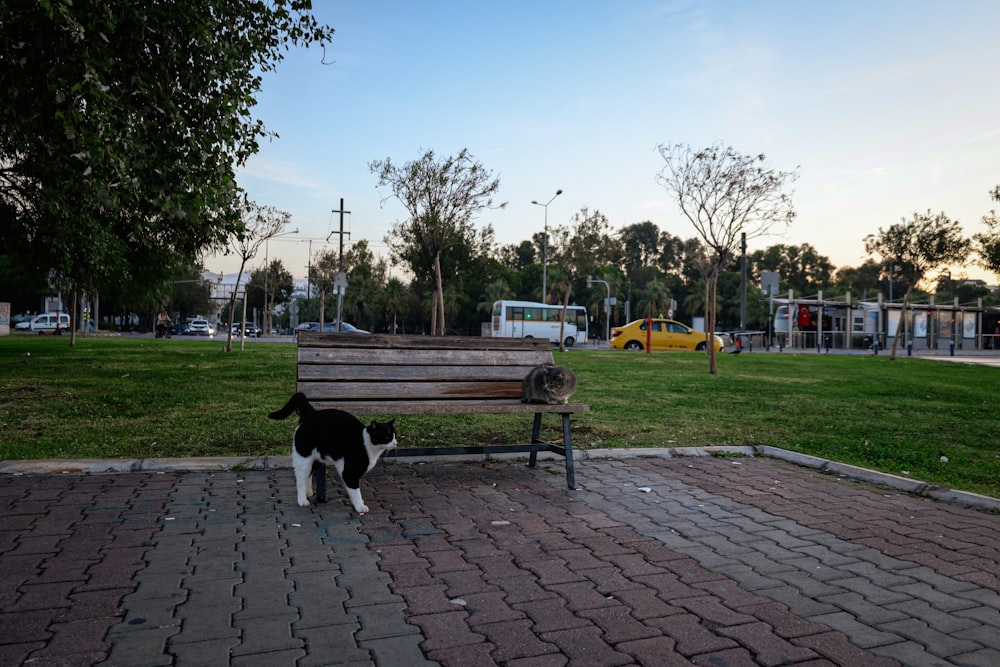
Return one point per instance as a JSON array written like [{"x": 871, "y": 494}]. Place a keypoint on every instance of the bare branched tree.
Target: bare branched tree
[
  {"x": 442, "y": 197},
  {"x": 259, "y": 223},
  {"x": 579, "y": 248},
  {"x": 726, "y": 195}
]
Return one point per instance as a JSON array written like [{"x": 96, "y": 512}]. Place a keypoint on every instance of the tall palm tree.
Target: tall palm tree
[
  {"x": 655, "y": 299},
  {"x": 498, "y": 290},
  {"x": 395, "y": 294},
  {"x": 695, "y": 301}
]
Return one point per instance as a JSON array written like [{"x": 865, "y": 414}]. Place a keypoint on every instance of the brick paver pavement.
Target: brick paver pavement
[{"x": 706, "y": 561}]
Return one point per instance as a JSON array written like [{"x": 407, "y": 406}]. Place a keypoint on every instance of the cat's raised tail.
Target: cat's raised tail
[{"x": 297, "y": 403}]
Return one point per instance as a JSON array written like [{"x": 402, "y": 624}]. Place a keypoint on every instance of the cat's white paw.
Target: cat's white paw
[
  {"x": 303, "y": 503},
  {"x": 361, "y": 510}
]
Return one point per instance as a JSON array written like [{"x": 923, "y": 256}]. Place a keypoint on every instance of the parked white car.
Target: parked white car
[
  {"x": 200, "y": 328},
  {"x": 45, "y": 322}
]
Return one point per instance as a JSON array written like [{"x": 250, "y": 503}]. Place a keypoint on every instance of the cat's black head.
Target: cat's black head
[{"x": 382, "y": 434}]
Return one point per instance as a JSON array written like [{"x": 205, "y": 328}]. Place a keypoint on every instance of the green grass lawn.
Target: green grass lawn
[{"x": 111, "y": 397}]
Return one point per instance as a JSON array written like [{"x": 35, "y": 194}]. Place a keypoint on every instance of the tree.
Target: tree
[
  {"x": 25, "y": 289},
  {"x": 672, "y": 253},
  {"x": 578, "y": 250},
  {"x": 801, "y": 267},
  {"x": 258, "y": 224},
  {"x": 122, "y": 124},
  {"x": 988, "y": 244},
  {"x": 324, "y": 267},
  {"x": 191, "y": 294},
  {"x": 270, "y": 286},
  {"x": 858, "y": 279},
  {"x": 640, "y": 245},
  {"x": 516, "y": 256},
  {"x": 654, "y": 299},
  {"x": 366, "y": 277},
  {"x": 726, "y": 196},
  {"x": 396, "y": 300},
  {"x": 918, "y": 247},
  {"x": 442, "y": 197},
  {"x": 497, "y": 290}
]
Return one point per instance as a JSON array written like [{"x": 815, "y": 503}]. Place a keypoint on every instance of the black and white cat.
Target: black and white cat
[{"x": 334, "y": 438}]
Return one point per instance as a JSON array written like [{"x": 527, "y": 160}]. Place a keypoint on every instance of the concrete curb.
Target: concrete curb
[
  {"x": 163, "y": 465},
  {"x": 224, "y": 463}
]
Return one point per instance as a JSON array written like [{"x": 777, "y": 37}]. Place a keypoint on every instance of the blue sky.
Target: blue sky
[{"x": 885, "y": 108}]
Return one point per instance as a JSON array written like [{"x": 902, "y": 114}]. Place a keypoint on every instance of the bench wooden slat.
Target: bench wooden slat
[
  {"x": 412, "y": 342},
  {"x": 372, "y": 357},
  {"x": 455, "y": 407},
  {"x": 403, "y": 373},
  {"x": 411, "y": 391}
]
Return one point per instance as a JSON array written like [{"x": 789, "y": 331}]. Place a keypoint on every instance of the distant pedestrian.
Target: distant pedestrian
[{"x": 163, "y": 325}]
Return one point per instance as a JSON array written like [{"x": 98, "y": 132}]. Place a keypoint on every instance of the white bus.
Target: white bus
[{"x": 525, "y": 319}]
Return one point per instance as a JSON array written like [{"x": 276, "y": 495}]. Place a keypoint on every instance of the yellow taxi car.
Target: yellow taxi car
[{"x": 663, "y": 335}]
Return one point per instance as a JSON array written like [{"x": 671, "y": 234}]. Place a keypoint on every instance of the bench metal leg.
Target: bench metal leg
[
  {"x": 568, "y": 445},
  {"x": 536, "y": 431}
]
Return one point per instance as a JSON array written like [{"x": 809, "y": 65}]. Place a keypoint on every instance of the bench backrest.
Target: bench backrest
[{"x": 405, "y": 374}]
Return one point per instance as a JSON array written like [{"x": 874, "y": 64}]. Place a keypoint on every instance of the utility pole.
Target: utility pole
[
  {"x": 743, "y": 282},
  {"x": 341, "y": 283}
]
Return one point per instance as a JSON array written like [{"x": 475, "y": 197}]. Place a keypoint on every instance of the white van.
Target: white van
[{"x": 46, "y": 322}]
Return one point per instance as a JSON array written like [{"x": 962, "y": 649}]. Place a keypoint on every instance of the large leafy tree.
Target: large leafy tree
[
  {"x": 988, "y": 243},
  {"x": 918, "y": 247},
  {"x": 395, "y": 304},
  {"x": 640, "y": 245},
  {"x": 191, "y": 294},
  {"x": 442, "y": 196},
  {"x": 726, "y": 196},
  {"x": 270, "y": 287},
  {"x": 653, "y": 299},
  {"x": 24, "y": 289},
  {"x": 801, "y": 267},
  {"x": 517, "y": 256},
  {"x": 858, "y": 278},
  {"x": 121, "y": 125},
  {"x": 673, "y": 253},
  {"x": 366, "y": 278}
]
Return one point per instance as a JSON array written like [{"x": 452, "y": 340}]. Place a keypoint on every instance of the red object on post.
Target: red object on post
[
  {"x": 649, "y": 335},
  {"x": 804, "y": 316}
]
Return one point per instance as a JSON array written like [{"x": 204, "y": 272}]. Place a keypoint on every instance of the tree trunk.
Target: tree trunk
[
  {"x": 439, "y": 288},
  {"x": 434, "y": 313},
  {"x": 72, "y": 318},
  {"x": 232, "y": 308},
  {"x": 711, "y": 289},
  {"x": 322, "y": 307},
  {"x": 232, "y": 314}
]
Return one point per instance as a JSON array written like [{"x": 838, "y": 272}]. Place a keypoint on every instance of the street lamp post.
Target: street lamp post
[{"x": 545, "y": 244}]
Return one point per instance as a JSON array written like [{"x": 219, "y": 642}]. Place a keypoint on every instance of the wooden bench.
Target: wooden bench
[{"x": 384, "y": 374}]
